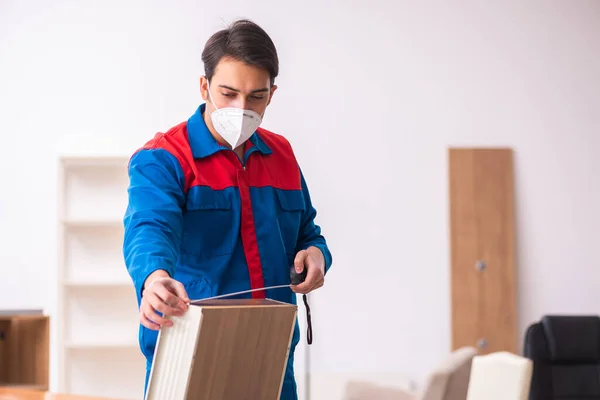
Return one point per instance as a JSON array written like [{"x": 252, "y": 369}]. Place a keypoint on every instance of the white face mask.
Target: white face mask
[{"x": 235, "y": 125}]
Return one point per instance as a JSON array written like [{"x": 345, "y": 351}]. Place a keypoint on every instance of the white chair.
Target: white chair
[
  {"x": 448, "y": 381},
  {"x": 500, "y": 376}
]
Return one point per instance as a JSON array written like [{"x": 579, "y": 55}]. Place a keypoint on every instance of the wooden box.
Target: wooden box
[
  {"x": 224, "y": 349},
  {"x": 24, "y": 349}
]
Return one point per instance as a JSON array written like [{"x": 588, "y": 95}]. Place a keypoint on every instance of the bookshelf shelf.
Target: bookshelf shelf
[
  {"x": 93, "y": 223},
  {"x": 103, "y": 346},
  {"x": 116, "y": 283},
  {"x": 97, "y": 315}
]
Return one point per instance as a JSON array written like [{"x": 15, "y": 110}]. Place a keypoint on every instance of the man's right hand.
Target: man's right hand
[{"x": 165, "y": 295}]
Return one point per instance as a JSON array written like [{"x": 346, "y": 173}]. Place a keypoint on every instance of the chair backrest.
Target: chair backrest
[
  {"x": 450, "y": 380},
  {"x": 565, "y": 351},
  {"x": 500, "y": 376}
]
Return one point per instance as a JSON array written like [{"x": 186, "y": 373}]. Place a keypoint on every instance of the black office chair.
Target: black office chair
[{"x": 565, "y": 351}]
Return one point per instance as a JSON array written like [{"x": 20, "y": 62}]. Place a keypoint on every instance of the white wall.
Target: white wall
[{"x": 371, "y": 95}]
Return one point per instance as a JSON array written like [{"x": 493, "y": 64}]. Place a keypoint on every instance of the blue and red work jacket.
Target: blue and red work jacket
[{"x": 217, "y": 223}]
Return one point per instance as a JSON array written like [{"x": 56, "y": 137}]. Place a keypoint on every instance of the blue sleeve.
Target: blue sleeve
[
  {"x": 310, "y": 233},
  {"x": 153, "y": 219}
]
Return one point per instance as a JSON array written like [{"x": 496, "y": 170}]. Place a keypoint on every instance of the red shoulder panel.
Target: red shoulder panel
[
  {"x": 175, "y": 141},
  {"x": 279, "y": 169},
  {"x": 217, "y": 171}
]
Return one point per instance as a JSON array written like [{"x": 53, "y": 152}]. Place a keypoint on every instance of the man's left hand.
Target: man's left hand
[{"x": 312, "y": 259}]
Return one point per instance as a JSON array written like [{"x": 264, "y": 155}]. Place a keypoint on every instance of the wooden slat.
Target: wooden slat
[
  {"x": 482, "y": 228},
  {"x": 495, "y": 213},
  {"x": 17, "y": 355},
  {"x": 465, "y": 284}
]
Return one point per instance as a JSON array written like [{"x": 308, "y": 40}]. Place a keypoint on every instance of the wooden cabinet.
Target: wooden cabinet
[
  {"x": 483, "y": 272},
  {"x": 24, "y": 349}
]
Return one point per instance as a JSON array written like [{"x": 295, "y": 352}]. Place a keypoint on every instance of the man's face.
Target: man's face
[{"x": 235, "y": 84}]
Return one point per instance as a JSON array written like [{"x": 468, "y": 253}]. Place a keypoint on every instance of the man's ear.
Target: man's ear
[
  {"x": 273, "y": 89},
  {"x": 204, "y": 88}
]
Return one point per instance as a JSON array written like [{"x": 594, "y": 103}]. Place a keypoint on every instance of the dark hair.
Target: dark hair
[{"x": 244, "y": 41}]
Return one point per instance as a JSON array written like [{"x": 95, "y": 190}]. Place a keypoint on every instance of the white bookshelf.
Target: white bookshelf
[{"x": 98, "y": 353}]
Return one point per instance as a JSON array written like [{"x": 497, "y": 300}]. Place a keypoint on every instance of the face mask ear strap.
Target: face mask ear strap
[{"x": 209, "y": 95}]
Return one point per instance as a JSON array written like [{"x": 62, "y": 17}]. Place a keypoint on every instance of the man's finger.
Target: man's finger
[
  {"x": 147, "y": 323},
  {"x": 169, "y": 303},
  {"x": 181, "y": 293},
  {"x": 319, "y": 283},
  {"x": 158, "y": 304},
  {"x": 304, "y": 287},
  {"x": 299, "y": 261},
  {"x": 311, "y": 278},
  {"x": 150, "y": 313}
]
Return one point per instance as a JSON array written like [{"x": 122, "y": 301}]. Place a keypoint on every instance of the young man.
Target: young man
[{"x": 218, "y": 205}]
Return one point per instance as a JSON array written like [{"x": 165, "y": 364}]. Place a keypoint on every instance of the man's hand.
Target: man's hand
[
  {"x": 313, "y": 260},
  {"x": 165, "y": 295}
]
